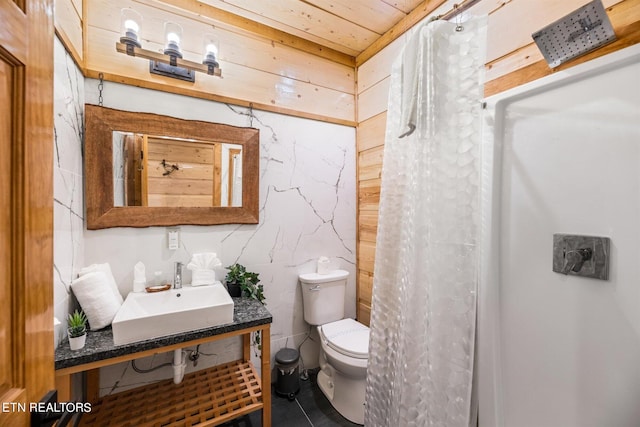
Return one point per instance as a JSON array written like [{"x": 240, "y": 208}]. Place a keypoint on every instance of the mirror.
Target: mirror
[
  {"x": 145, "y": 169},
  {"x": 162, "y": 171}
]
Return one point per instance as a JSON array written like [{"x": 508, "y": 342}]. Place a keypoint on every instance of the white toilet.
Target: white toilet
[{"x": 344, "y": 342}]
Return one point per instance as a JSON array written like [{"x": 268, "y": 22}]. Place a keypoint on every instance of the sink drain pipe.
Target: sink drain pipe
[{"x": 179, "y": 365}]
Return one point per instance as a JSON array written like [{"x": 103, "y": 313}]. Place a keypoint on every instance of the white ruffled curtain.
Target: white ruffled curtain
[{"x": 426, "y": 267}]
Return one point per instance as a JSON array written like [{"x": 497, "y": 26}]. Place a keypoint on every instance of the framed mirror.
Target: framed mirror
[{"x": 145, "y": 169}]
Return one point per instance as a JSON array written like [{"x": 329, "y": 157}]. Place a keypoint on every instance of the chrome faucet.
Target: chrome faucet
[{"x": 177, "y": 275}]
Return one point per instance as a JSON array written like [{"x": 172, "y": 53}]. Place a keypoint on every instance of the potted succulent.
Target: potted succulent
[
  {"x": 241, "y": 282},
  {"x": 77, "y": 329}
]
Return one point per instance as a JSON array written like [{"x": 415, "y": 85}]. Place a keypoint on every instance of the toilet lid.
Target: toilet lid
[{"x": 347, "y": 337}]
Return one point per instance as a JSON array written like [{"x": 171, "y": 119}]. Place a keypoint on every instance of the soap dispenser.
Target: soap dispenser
[
  {"x": 157, "y": 278},
  {"x": 139, "y": 277}
]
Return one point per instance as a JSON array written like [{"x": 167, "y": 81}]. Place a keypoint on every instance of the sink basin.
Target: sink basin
[{"x": 146, "y": 316}]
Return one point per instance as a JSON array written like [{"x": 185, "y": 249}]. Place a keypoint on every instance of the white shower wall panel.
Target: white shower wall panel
[{"x": 567, "y": 348}]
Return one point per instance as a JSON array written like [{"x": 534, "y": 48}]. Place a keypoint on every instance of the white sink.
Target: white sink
[{"x": 146, "y": 316}]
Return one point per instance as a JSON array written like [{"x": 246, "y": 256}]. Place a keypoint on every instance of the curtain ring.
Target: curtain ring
[{"x": 459, "y": 26}]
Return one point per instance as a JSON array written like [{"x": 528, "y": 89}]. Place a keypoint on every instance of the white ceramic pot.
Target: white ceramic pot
[{"x": 77, "y": 343}]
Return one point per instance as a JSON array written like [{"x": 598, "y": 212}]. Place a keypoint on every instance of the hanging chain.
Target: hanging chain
[
  {"x": 251, "y": 114},
  {"x": 100, "y": 88}
]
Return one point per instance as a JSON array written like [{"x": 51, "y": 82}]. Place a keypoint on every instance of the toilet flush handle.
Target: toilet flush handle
[{"x": 314, "y": 288}]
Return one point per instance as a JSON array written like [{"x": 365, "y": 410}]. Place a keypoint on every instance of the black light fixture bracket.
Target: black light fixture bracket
[
  {"x": 169, "y": 65},
  {"x": 170, "y": 70}
]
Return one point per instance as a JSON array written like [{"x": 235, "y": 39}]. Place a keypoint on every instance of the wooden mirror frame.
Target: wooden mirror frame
[{"x": 101, "y": 122}]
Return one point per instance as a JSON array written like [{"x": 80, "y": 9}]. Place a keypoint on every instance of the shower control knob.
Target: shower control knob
[
  {"x": 574, "y": 259},
  {"x": 578, "y": 255}
]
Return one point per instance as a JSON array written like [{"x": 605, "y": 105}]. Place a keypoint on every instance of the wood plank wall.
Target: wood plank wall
[
  {"x": 260, "y": 68},
  {"x": 68, "y": 21},
  {"x": 512, "y": 60},
  {"x": 191, "y": 184}
]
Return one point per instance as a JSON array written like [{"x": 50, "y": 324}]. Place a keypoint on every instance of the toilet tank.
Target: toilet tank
[{"x": 323, "y": 296}]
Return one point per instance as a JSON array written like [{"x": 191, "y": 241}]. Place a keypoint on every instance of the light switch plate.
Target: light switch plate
[{"x": 597, "y": 267}]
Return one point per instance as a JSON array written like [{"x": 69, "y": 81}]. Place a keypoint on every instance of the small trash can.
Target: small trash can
[{"x": 288, "y": 381}]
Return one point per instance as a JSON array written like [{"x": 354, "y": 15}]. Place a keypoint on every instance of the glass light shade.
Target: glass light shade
[
  {"x": 210, "y": 50},
  {"x": 173, "y": 39},
  {"x": 130, "y": 23}
]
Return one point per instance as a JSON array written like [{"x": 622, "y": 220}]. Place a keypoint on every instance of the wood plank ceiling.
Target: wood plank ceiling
[
  {"x": 347, "y": 26},
  {"x": 296, "y": 57}
]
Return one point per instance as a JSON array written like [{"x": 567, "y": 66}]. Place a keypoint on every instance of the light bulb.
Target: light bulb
[
  {"x": 211, "y": 49},
  {"x": 173, "y": 38},
  {"x": 210, "y": 58},
  {"x": 131, "y": 25}
]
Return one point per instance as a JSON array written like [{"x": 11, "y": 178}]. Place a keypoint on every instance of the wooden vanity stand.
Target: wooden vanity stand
[{"x": 208, "y": 397}]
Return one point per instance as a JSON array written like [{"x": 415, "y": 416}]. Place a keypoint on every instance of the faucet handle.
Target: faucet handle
[
  {"x": 574, "y": 259},
  {"x": 177, "y": 268},
  {"x": 177, "y": 275}
]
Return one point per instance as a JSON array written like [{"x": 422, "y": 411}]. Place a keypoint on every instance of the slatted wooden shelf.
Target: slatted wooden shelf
[{"x": 205, "y": 398}]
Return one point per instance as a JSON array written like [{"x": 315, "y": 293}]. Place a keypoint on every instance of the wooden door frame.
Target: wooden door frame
[{"x": 31, "y": 207}]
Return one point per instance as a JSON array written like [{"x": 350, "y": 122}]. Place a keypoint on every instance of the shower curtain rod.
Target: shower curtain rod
[{"x": 457, "y": 9}]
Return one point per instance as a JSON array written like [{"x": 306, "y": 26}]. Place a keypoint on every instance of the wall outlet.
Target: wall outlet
[{"x": 173, "y": 238}]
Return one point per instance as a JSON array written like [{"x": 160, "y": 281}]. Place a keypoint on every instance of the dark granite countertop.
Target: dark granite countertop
[{"x": 99, "y": 346}]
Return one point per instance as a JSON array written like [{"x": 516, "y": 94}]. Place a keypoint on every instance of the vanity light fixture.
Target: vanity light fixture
[{"x": 170, "y": 63}]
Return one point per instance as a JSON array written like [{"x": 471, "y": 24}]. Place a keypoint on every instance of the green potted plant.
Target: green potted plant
[
  {"x": 241, "y": 282},
  {"x": 77, "y": 329}
]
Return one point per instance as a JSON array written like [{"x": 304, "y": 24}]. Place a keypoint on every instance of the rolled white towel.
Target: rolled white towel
[
  {"x": 106, "y": 269},
  {"x": 205, "y": 261},
  {"x": 96, "y": 298}
]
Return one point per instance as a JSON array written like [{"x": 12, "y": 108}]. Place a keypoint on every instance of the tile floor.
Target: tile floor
[{"x": 310, "y": 409}]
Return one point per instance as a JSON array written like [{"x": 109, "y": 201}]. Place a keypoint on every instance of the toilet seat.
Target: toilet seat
[{"x": 347, "y": 337}]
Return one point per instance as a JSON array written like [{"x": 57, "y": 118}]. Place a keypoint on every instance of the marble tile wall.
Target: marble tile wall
[
  {"x": 307, "y": 210},
  {"x": 68, "y": 202}
]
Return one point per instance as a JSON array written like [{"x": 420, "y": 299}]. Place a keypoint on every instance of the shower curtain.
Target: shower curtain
[{"x": 426, "y": 269}]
